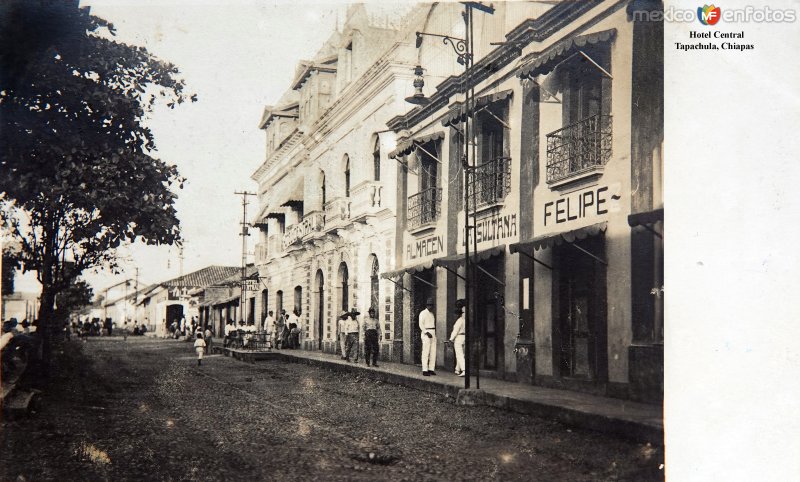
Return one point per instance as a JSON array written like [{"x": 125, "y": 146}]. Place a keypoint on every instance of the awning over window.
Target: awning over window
[
  {"x": 550, "y": 240},
  {"x": 406, "y": 147},
  {"x": 646, "y": 218},
  {"x": 284, "y": 192},
  {"x": 458, "y": 112},
  {"x": 543, "y": 62},
  {"x": 455, "y": 261},
  {"x": 411, "y": 269},
  {"x": 220, "y": 301}
]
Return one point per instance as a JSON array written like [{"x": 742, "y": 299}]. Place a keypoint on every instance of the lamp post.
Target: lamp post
[{"x": 464, "y": 49}]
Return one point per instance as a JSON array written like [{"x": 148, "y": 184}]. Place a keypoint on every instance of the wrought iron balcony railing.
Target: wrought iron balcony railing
[
  {"x": 490, "y": 182},
  {"x": 424, "y": 207},
  {"x": 581, "y": 146}
]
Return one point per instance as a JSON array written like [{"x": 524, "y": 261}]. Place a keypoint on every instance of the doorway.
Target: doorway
[
  {"x": 320, "y": 311},
  {"x": 424, "y": 288},
  {"x": 581, "y": 310}
]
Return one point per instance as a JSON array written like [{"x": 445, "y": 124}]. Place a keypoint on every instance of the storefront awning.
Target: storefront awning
[
  {"x": 457, "y": 260},
  {"x": 452, "y": 263},
  {"x": 459, "y": 113},
  {"x": 411, "y": 270},
  {"x": 544, "y": 62},
  {"x": 223, "y": 301},
  {"x": 406, "y": 147},
  {"x": 550, "y": 240},
  {"x": 647, "y": 220}
]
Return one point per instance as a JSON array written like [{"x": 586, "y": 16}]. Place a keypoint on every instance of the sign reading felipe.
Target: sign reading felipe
[{"x": 709, "y": 15}]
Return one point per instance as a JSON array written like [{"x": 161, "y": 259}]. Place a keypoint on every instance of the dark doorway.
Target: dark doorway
[
  {"x": 320, "y": 282},
  {"x": 421, "y": 285},
  {"x": 491, "y": 313},
  {"x": 581, "y": 310},
  {"x": 174, "y": 313}
]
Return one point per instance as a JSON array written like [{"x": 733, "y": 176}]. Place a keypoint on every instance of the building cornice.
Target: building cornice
[{"x": 529, "y": 31}]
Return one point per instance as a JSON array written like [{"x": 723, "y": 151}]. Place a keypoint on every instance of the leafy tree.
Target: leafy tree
[
  {"x": 74, "y": 298},
  {"x": 78, "y": 172}
]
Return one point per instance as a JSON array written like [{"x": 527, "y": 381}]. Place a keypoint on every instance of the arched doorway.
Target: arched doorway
[
  {"x": 374, "y": 286},
  {"x": 319, "y": 312},
  {"x": 174, "y": 313},
  {"x": 344, "y": 287}
]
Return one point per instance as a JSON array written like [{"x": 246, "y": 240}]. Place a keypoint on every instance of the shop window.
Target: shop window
[{"x": 583, "y": 144}]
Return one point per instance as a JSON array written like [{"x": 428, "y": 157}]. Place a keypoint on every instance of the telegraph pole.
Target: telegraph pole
[{"x": 244, "y": 234}]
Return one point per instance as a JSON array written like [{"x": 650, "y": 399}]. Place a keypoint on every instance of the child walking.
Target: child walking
[{"x": 200, "y": 348}]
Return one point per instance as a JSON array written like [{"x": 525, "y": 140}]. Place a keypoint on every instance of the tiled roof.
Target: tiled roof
[
  {"x": 203, "y": 277},
  {"x": 250, "y": 273}
]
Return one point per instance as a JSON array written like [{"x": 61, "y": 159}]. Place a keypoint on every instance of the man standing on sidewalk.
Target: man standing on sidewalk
[
  {"x": 457, "y": 338},
  {"x": 341, "y": 332},
  {"x": 352, "y": 334},
  {"x": 427, "y": 325},
  {"x": 372, "y": 333}
]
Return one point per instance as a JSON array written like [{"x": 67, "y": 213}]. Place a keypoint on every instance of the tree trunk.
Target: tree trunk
[{"x": 45, "y": 326}]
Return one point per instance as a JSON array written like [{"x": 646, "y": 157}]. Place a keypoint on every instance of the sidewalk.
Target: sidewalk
[{"x": 632, "y": 420}]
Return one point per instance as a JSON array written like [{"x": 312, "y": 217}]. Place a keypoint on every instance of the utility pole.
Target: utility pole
[{"x": 244, "y": 234}]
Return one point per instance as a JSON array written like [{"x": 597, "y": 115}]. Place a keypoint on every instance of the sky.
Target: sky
[{"x": 237, "y": 56}]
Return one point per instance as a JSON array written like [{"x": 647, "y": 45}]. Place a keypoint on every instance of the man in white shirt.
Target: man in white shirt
[
  {"x": 352, "y": 328},
  {"x": 427, "y": 326},
  {"x": 341, "y": 332},
  {"x": 457, "y": 338},
  {"x": 269, "y": 321}
]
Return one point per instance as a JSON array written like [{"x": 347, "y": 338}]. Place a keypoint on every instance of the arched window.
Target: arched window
[
  {"x": 344, "y": 283},
  {"x": 298, "y": 299},
  {"x": 374, "y": 286},
  {"x": 376, "y": 159},
  {"x": 346, "y": 176},
  {"x": 322, "y": 187}
]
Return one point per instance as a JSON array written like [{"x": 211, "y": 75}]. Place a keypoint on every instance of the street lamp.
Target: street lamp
[{"x": 464, "y": 49}]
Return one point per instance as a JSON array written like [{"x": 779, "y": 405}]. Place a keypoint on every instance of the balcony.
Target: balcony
[
  {"x": 424, "y": 208},
  {"x": 578, "y": 150},
  {"x": 491, "y": 182},
  {"x": 367, "y": 200},
  {"x": 337, "y": 213}
]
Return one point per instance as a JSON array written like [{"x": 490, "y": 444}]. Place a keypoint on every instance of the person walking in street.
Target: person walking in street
[
  {"x": 209, "y": 339},
  {"x": 341, "y": 332},
  {"x": 199, "y": 348},
  {"x": 125, "y": 330},
  {"x": 457, "y": 337},
  {"x": 372, "y": 333},
  {"x": 352, "y": 328},
  {"x": 427, "y": 326}
]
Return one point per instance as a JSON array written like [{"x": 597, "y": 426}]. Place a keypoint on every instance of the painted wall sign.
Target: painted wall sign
[
  {"x": 594, "y": 202},
  {"x": 491, "y": 229},
  {"x": 424, "y": 248}
]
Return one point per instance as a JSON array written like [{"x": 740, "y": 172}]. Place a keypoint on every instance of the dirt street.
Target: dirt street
[{"x": 143, "y": 410}]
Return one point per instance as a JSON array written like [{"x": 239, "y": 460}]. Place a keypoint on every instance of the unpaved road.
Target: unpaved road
[{"x": 143, "y": 410}]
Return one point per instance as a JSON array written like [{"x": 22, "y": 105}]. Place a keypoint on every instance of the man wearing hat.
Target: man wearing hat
[
  {"x": 427, "y": 325},
  {"x": 341, "y": 332},
  {"x": 351, "y": 327}
]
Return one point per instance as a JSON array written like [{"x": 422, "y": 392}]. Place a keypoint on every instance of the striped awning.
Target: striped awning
[
  {"x": 457, "y": 260},
  {"x": 407, "y": 146},
  {"x": 646, "y": 218},
  {"x": 410, "y": 269},
  {"x": 556, "y": 239},
  {"x": 459, "y": 113},
  {"x": 543, "y": 62}
]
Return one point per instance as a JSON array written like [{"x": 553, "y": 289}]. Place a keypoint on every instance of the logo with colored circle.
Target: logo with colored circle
[{"x": 708, "y": 15}]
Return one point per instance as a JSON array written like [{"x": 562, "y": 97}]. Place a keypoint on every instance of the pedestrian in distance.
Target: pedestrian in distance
[
  {"x": 269, "y": 321},
  {"x": 372, "y": 333},
  {"x": 427, "y": 326},
  {"x": 199, "y": 348},
  {"x": 341, "y": 332},
  {"x": 209, "y": 339},
  {"x": 125, "y": 331},
  {"x": 352, "y": 328},
  {"x": 457, "y": 337}
]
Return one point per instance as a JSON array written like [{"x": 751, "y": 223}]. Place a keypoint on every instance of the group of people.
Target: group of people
[
  {"x": 350, "y": 332},
  {"x": 427, "y": 326},
  {"x": 284, "y": 331}
]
